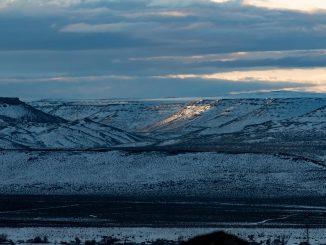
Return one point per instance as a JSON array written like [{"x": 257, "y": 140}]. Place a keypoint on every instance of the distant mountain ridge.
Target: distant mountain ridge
[{"x": 276, "y": 125}]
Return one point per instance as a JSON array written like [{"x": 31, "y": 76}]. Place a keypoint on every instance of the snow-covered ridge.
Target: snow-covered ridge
[
  {"x": 16, "y": 110},
  {"x": 250, "y": 120},
  {"x": 212, "y": 116},
  {"x": 127, "y": 115},
  {"x": 23, "y": 126},
  {"x": 107, "y": 123},
  {"x": 227, "y": 116}
]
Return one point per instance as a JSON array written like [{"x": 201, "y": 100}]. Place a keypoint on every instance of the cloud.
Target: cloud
[
  {"x": 5, "y": 3},
  {"x": 66, "y": 79},
  {"x": 174, "y": 3},
  {"x": 236, "y": 56},
  {"x": 60, "y": 3},
  {"x": 297, "y": 5},
  {"x": 98, "y": 28},
  {"x": 220, "y": 1},
  {"x": 319, "y": 89},
  {"x": 69, "y": 3},
  {"x": 123, "y": 44},
  {"x": 167, "y": 13},
  {"x": 312, "y": 78},
  {"x": 309, "y": 89}
]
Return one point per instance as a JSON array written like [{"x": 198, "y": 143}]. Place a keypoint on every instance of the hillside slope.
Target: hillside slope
[
  {"x": 155, "y": 174},
  {"x": 14, "y": 110},
  {"x": 24, "y": 127},
  {"x": 124, "y": 114}
]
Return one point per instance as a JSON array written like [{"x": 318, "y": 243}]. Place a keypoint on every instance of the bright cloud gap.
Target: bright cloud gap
[
  {"x": 226, "y": 57},
  {"x": 312, "y": 79}
]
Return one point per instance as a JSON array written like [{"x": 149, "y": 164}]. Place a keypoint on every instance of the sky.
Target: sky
[{"x": 89, "y": 49}]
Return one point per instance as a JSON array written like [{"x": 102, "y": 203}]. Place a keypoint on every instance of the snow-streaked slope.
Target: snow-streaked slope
[
  {"x": 208, "y": 117},
  {"x": 87, "y": 134},
  {"x": 12, "y": 109},
  {"x": 23, "y": 126},
  {"x": 282, "y": 125},
  {"x": 229, "y": 116},
  {"x": 81, "y": 134},
  {"x": 187, "y": 114},
  {"x": 127, "y": 115},
  {"x": 314, "y": 120},
  {"x": 273, "y": 110},
  {"x": 191, "y": 174}
]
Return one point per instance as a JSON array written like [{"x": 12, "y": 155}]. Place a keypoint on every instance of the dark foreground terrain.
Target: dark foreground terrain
[{"x": 104, "y": 211}]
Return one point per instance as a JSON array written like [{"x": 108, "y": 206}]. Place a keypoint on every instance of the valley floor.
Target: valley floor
[
  {"x": 106, "y": 211},
  {"x": 63, "y": 218}
]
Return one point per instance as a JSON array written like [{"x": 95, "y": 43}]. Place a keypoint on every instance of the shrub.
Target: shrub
[
  {"x": 216, "y": 238},
  {"x": 90, "y": 242},
  {"x": 3, "y": 238},
  {"x": 77, "y": 241},
  {"x": 163, "y": 242},
  {"x": 38, "y": 239},
  {"x": 108, "y": 241}
]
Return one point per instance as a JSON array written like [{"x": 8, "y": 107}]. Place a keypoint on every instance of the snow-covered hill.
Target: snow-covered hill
[
  {"x": 156, "y": 174},
  {"x": 205, "y": 116},
  {"x": 292, "y": 125},
  {"x": 127, "y": 115},
  {"x": 23, "y": 126},
  {"x": 82, "y": 134},
  {"x": 295, "y": 126},
  {"x": 228, "y": 116},
  {"x": 14, "y": 110}
]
